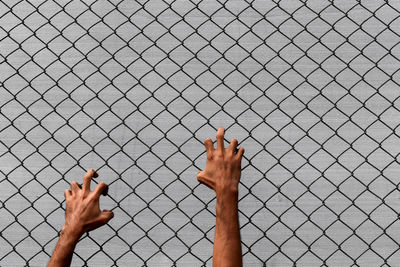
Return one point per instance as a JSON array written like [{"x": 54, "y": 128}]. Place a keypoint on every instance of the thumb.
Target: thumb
[
  {"x": 201, "y": 177},
  {"x": 199, "y": 174},
  {"x": 106, "y": 215},
  {"x": 205, "y": 180}
]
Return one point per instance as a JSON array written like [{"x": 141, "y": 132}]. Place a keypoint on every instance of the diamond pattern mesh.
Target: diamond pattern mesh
[{"x": 132, "y": 88}]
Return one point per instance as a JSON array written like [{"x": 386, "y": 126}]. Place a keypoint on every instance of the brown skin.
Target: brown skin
[
  {"x": 222, "y": 174},
  {"x": 82, "y": 215}
]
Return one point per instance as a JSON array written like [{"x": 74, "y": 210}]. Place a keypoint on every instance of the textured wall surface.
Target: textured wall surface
[{"x": 132, "y": 88}]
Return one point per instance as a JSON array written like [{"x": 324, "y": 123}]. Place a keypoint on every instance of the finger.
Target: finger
[
  {"x": 240, "y": 153},
  {"x": 74, "y": 187},
  {"x": 67, "y": 193},
  {"x": 205, "y": 180},
  {"x": 233, "y": 145},
  {"x": 220, "y": 139},
  {"x": 209, "y": 145},
  {"x": 99, "y": 189},
  {"x": 87, "y": 179}
]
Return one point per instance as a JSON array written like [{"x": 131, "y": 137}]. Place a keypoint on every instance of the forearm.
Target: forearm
[
  {"x": 227, "y": 248},
  {"x": 64, "y": 250}
]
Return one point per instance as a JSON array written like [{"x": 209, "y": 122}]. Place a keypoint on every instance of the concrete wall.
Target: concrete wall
[{"x": 132, "y": 88}]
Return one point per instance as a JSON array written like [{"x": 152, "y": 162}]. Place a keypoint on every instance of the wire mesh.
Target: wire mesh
[{"x": 132, "y": 88}]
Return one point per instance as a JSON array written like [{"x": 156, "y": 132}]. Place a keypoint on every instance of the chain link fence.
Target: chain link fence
[{"x": 132, "y": 88}]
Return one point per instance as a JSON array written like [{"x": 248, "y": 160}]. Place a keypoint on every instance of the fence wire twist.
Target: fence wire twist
[{"x": 132, "y": 88}]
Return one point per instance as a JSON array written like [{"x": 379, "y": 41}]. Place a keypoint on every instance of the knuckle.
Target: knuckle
[{"x": 219, "y": 154}]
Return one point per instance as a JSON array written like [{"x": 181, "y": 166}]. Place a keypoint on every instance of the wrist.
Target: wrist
[
  {"x": 71, "y": 233},
  {"x": 227, "y": 192},
  {"x": 227, "y": 203}
]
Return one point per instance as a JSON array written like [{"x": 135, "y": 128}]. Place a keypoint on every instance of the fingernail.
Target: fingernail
[
  {"x": 105, "y": 191},
  {"x": 95, "y": 174}
]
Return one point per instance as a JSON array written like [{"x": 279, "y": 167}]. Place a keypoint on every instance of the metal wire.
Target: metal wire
[{"x": 132, "y": 88}]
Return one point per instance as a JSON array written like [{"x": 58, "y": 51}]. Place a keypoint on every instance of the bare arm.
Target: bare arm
[
  {"x": 222, "y": 174},
  {"x": 82, "y": 214}
]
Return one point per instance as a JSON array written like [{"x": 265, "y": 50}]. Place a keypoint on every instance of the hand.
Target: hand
[
  {"x": 223, "y": 166},
  {"x": 83, "y": 212}
]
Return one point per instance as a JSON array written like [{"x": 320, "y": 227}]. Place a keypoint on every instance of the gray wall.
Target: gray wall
[{"x": 132, "y": 88}]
